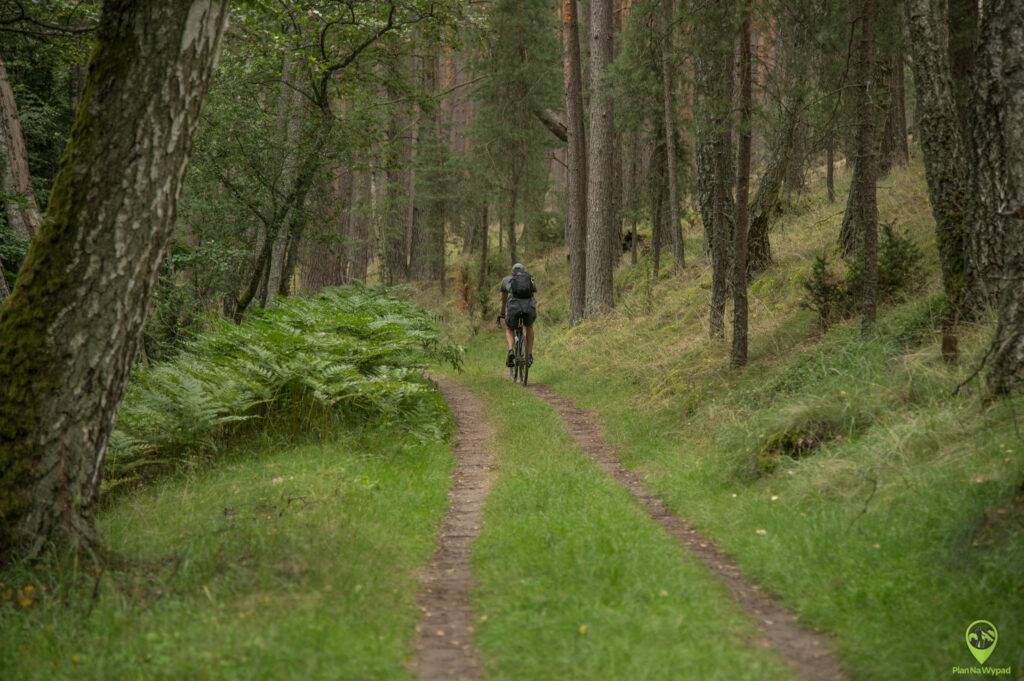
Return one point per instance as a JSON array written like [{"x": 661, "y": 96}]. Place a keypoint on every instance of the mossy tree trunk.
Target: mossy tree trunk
[
  {"x": 71, "y": 330},
  {"x": 945, "y": 157}
]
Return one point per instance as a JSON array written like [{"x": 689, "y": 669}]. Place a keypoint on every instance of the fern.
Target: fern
[{"x": 354, "y": 349}]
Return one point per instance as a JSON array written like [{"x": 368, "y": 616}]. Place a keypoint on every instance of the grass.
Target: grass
[
  {"x": 293, "y": 557},
  {"x": 900, "y": 523},
  {"x": 574, "y": 581}
]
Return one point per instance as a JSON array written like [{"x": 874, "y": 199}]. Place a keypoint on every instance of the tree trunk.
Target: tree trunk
[
  {"x": 484, "y": 238},
  {"x": 576, "y": 157},
  {"x": 601, "y": 228},
  {"x": 659, "y": 192},
  {"x": 362, "y": 248},
  {"x": 830, "y": 170},
  {"x": 861, "y": 207},
  {"x": 998, "y": 135},
  {"x": 851, "y": 233},
  {"x": 22, "y": 210},
  {"x": 739, "y": 258},
  {"x": 70, "y": 331},
  {"x": 766, "y": 199},
  {"x": 5, "y": 290},
  {"x": 668, "y": 107},
  {"x": 996, "y": 126},
  {"x": 510, "y": 221},
  {"x": 962, "y": 42},
  {"x": 945, "y": 158},
  {"x": 714, "y": 88}
]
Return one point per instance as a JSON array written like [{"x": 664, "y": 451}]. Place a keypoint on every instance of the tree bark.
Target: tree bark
[
  {"x": 830, "y": 170},
  {"x": 766, "y": 198},
  {"x": 510, "y": 221},
  {"x": 484, "y": 228},
  {"x": 576, "y": 157},
  {"x": 998, "y": 137},
  {"x": 739, "y": 259},
  {"x": 862, "y": 207},
  {"x": 993, "y": 144},
  {"x": 945, "y": 157},
  {"x": 714, "y": 88},
  {"x": 668, "y": 109},
  {"x": 5, "y": 290},
  {"x": 71, "y": 330},
  {"x": 962, "y": 42},
  {"x": 22, "y": 210},
  {"x": 601, "y": 228}
]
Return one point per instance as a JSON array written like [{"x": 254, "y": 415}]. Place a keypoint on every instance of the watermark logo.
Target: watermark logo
[{"x": 981, "y": 639}]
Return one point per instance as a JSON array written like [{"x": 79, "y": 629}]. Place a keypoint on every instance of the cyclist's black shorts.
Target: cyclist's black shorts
[{"x": 517, "y": 307}]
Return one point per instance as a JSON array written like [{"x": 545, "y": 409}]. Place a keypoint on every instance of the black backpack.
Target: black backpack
[{"x": 521, "y": 285}]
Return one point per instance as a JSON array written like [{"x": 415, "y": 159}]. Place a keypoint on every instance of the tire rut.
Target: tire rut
[
  {"x": 807, "y": 652},
  {"x": 443, "y": 646}
]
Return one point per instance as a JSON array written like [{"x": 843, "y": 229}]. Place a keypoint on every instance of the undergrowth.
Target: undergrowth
[{"x": 354, "y": 350}]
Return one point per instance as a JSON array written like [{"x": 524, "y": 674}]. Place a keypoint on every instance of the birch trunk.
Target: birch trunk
[{"x": 71, "y": 330}]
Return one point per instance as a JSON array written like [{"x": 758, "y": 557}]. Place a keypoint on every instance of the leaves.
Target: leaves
[{"x": 353, "y": 349}]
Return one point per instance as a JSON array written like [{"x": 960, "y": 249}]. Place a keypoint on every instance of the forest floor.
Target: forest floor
[
  {"x": 846, "y": 475},
  {"x": 641, "y": 512}
]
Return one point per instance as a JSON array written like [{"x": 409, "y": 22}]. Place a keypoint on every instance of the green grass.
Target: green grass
[
  {"x": 291, "y": 558},
  {"x": 563, "y": 547},
  {"x": 901, "y": 525}
]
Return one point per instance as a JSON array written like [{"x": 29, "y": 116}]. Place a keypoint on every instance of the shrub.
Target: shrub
[
  {"x": 899, "y": 271},
  {"x": 353, "y": 350}
]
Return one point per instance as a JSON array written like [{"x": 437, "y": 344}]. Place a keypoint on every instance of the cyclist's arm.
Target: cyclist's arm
[{"x": 504, "y": 302}]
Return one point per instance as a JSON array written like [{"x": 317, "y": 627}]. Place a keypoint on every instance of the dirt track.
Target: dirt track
[
  {"x": 444, "y": 647},
  {"x": 809, "y": 653}
]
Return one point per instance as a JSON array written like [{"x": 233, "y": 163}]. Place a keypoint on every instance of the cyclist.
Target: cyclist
[{"x": 517, "y": 301}]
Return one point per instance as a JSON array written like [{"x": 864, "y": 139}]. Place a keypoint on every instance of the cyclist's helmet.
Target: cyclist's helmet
[{"x": 518, "y": 267}]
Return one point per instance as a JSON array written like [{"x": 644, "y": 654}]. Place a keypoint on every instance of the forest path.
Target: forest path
[
  {"x": 807, "y": 652},
  {"x": 444, "y": 648}
]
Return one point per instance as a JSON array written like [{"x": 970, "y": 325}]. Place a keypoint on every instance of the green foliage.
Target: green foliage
[
  {"x": 356, "y": 350},
  {"x": 12, "y": 249},
  {"x": 899, "y": 272}
]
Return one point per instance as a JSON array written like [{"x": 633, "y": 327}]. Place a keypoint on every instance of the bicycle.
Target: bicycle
[{"x": 519, "y": 372}]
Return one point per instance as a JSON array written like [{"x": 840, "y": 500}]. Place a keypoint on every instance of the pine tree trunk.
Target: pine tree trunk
[
  {"x": 5, "y": 290},
  {"x": 766, "y": 199},
  {"x": 510, "y": 221},
  {"x": 16, "y": 181},
  {"x": 71, "y": 330},
  {"x": 996, "y": 126},
  {"x": 875, "y": 103},
  {"x": 830, "y": 170},
  {"x": 739, "y": 262},
  {"x": 668, "y": 106},
  {"x": 998, "y": 135},
  {"x": 601, "y": 228},
  {"x": 862, "y": 208},
  {"x": 660, "y": 192},
  {"x": 484, "y": 238},
  {"x": 945, "y": 158}
]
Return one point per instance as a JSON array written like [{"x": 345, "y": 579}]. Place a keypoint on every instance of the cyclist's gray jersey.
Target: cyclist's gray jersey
[{"x": 506, "y": 286}]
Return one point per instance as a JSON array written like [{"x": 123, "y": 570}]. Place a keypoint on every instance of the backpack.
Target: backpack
[{"x": 521, "y": 285}]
